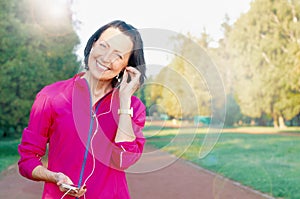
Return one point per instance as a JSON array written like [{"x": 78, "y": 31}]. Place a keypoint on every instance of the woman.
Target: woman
[{"x": 92, "y": 122}]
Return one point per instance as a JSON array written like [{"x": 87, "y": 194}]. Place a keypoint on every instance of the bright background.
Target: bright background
[{"x": 179, "y": 16}]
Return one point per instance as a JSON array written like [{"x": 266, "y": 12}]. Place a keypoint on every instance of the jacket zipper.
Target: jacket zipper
[{"x": 89, "y": 137}]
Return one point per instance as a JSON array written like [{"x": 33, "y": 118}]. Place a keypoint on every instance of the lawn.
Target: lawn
[
  {"x": 269, "y": 162},
  {"x": 8, "y": 152}
]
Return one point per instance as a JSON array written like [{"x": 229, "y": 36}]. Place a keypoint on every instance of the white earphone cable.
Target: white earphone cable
[
  {"x": 94, "y": 134},
  {"x": 66, "y": 193},
  {"x": 94, "y": 114}
]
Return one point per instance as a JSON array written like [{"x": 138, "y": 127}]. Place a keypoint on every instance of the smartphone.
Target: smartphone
[{"x": 70, "y": 187}]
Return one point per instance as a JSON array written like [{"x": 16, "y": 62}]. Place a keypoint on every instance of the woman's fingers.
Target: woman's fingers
[
  {"x": 133, "y": 72},
  {"x": 127, "y": 89},
  {"x": 63, "y": 179},
  {"x": 82, "y": 191},
  {"x": 134, "y": 76},
  {"x": 125, "y": 77},
  {"x": 76, "y": 193}
]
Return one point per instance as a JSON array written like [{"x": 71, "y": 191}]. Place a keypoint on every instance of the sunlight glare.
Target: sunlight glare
[{"x": 57, "y": 8}]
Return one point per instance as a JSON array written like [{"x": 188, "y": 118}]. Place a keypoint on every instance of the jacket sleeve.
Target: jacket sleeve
[
  {"x": 35, "y": 137},
  {"x": 125, "y": 154}
]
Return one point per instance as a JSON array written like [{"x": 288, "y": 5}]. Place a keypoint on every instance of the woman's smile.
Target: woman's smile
[
  {"x": 109, "y": 55},
  {"x": 101, "y": 66}
]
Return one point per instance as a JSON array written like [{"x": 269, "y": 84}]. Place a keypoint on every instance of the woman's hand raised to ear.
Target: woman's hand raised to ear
[
  {"x": 125, "y": 131},
  {"x": 128, "y": 89}
]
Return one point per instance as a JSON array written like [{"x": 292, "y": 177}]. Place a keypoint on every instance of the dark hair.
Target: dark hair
[{"x": 136, "y": 59}]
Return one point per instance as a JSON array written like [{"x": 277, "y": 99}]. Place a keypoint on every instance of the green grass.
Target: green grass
[
  {"x": 263, "y": 129},
  {"x": 8, "y": 153},
  {"x": 269, "y": 163}
]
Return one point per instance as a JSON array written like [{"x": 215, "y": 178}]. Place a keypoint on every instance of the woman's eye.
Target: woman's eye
[
  {"x": 102, "y": 45},
  {"x": 119, "y": 56}
]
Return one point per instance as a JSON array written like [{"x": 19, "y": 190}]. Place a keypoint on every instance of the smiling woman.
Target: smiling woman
[{"x": 92, "y": 122}]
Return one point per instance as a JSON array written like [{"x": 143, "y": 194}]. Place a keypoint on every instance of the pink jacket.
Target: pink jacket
[{"x": 61, "y": 116}]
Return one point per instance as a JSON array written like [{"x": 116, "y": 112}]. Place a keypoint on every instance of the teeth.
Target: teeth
[{"x": 101, "y": 66}]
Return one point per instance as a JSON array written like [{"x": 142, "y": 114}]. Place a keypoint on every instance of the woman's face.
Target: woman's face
[{"x": 109, "y": 54}]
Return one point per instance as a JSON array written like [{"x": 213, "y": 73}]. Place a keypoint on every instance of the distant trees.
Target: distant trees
[
  {"x": 181, "y": 90},
  {"x": 259, "y": 61},
  {"x": 265, "y": 46},
  {"x": 35, "y": 50}
]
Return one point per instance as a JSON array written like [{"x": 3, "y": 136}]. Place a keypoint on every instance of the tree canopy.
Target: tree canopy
[
  {"x": 36, "y": 49},
  {"x": 258, "y": 59},
  {"x": 265, "y": 47}
]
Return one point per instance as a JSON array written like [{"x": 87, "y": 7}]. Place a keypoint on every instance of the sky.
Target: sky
[{"x": 191, "y": 16}]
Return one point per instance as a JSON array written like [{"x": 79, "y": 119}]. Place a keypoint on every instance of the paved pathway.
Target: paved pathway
[{"x": 157, "y": 175}]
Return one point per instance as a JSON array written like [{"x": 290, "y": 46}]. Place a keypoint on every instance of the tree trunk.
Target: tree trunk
[
  {"x": 281, "y": 122},
  {"x": 275, "y": 121}
]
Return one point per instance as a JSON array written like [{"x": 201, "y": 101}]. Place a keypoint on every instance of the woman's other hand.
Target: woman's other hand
[{"x": 64, "y": 179}]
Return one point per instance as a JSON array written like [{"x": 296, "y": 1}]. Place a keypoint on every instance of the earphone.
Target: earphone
[{"x": 66, "y": 193}]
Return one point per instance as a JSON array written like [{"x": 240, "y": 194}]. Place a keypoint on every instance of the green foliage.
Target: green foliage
[
  {"x": 8, "y": 153},
  {"x": 144, "y": 94},
  {"x": 182, "y": 89},
  {"x": 224, "y": 61},
  {"x": 34, "y": 53},
  {"x": 265, "y": 47},
  {"x": 258, "y": 59}
]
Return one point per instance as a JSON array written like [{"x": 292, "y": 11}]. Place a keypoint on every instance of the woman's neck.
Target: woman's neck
[{"x": 97, "y": 88}]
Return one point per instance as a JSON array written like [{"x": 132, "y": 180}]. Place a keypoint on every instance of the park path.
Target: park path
[{"x": 158, "y": 175}]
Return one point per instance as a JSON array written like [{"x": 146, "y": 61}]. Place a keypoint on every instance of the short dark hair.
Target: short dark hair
[{"x": 136, "y": 59}]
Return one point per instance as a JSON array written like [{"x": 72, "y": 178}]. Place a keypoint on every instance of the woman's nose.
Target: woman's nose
[{"x": 106, "y": 57}]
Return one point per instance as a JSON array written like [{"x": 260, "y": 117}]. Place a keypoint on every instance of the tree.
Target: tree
[
  {"x": 182, "y": 90},
  {"x": 223, "y": 59},
  {"x": 34, "y": 53},
  {"x": 265, "y": 46},
  {"x": 144, "y": 94}
]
